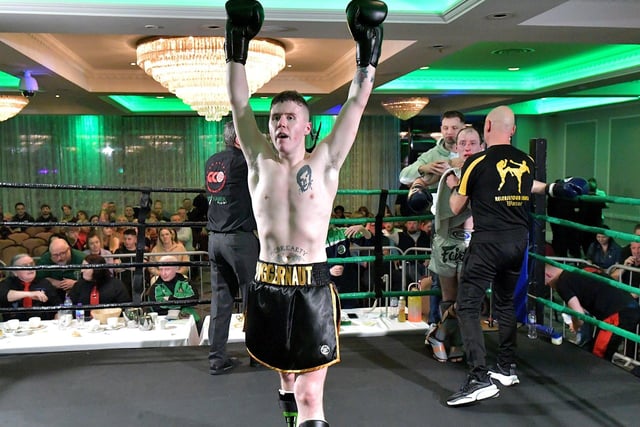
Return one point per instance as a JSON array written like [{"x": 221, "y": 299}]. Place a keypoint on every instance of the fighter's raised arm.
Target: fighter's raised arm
[
  {"x": 364, "y": 18},
  {"x": 244, "y": 20}
]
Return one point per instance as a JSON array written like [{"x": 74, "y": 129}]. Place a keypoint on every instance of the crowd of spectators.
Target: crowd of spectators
[
  {"x": 92, "y": 244},
  {"x": 397, "y": 237},
  {"x": 191, "y": 210}
]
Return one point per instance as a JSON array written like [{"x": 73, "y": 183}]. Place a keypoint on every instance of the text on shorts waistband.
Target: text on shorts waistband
[{"x": 284, "y": 275}]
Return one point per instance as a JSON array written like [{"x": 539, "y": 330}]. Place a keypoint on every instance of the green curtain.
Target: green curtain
[{"x": 153, "y": 151}]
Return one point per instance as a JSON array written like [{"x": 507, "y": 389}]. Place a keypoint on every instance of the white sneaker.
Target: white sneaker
[{"x": 506, "y": 376}]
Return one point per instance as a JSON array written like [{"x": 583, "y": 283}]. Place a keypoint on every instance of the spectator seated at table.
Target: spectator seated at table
[
  {"x": 170, "y": 286},
  {"x": 60, "y": 253},
  {"x": 23, "y": 289},
  {"x": 98, "y": 286}
]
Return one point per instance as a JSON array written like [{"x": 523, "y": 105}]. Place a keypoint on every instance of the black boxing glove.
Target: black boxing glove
[
  {"x": 365, "y": 18},
  {"x": 568, "y": 188},
  {"x": 244, "y": 20},
  {"x": 420, "y": 198}
]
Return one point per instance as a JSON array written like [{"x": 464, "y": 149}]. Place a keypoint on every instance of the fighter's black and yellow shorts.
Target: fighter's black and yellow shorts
[{"x": 292, "y": 317}]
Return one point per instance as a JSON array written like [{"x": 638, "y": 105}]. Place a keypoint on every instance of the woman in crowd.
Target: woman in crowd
[
  {"x": 82, "y": 217},
  {"x": 168, "y": 242},
  {"x": 604, "y": 252},
  {"x": 110, "y": 239},
  {"x": 98, "y": 286},
  {"x": 83, "y": 232},
  {"x": 95, "y": 247}
]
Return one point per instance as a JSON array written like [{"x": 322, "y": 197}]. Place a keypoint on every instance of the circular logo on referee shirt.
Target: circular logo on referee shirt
[{"x": 216, "y": 177}]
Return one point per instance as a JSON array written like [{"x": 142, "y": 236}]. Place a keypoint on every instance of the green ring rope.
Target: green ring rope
[
  {"x": 589, "y": 319},
  {"x": 358, "y": 295},
  {"x": 571, "y": 224},
  {"x": 612, "y": 199},
  {"x": 584, "y": 317},
  {"x": 611, "y": 282}
]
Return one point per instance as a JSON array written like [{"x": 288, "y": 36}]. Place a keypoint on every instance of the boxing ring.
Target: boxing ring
[
  {"x": 381, "y": 381},
  {"x": 385, "y": 380}
]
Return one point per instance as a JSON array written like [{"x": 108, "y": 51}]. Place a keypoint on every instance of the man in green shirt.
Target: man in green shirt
[{"x": 60, "y": 253}]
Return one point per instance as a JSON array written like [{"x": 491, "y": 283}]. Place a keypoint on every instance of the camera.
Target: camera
[{"x": 28, "y": 85}]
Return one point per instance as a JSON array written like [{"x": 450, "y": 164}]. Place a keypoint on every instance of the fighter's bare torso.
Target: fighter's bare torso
[{"x": 292, "y": 204}]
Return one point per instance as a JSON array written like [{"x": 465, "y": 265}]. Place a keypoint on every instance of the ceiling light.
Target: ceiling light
[
  {"x": 513, "y": 51},
  {"x": 11, "y": 105},
  {"x": 405, "y": 108},
  {"x": 194, "y": 69},
  {"x": 499, "y": 16}
]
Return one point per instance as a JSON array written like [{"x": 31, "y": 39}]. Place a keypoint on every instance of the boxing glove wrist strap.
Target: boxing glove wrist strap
[{"x": 549, "y": 189}]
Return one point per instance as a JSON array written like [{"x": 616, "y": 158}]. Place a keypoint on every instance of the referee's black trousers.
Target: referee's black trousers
[{"x": 497, "y": 265}]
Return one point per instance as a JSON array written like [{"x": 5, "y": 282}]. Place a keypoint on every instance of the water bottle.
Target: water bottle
[
  {"x": 393, "y": 308},
  {"x": 67, "y": 303},
  {"x": 65, "y": 316},
  {"x": 415, "y": 304},
  {"x": 80, "y": 316},
  {"x": 532, "y": 332}
]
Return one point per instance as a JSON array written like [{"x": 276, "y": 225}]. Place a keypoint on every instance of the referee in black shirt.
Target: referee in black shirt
[
  {"x": 233, "y": 244},
  {"x": 498, "y": 183}
]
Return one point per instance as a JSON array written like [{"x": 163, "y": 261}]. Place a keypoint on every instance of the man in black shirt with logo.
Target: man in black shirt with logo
[
  {"x": 233, "y": 244},
  {"x": 498, "y": 184}
]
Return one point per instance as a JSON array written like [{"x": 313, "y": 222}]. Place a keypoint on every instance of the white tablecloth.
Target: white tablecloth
[
  {"x": 368, "y": 323},
  {"x": 49, "y": 338}
]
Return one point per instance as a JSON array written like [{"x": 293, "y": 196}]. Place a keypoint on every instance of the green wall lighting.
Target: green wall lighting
[
  {"x": 558, "y": 104},
  {"x": 169, "y": 104},
  {"x": 491, "y": 76},
  {"x": 424, "y": 7},
  {"x": 7, "y": 81}
]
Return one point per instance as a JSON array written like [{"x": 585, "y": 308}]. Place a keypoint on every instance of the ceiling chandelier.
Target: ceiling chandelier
[
  {"x": 405, "y": 108},
  {"x": 194, "y": 69},
  {"x": 10, "y": 105}
]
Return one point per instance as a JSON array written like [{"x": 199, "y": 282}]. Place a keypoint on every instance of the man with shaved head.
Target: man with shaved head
[
  {"x": 497, "y": 183},
  {"x": 170, "y": 285},
  {"x": 60, "y": 253}
]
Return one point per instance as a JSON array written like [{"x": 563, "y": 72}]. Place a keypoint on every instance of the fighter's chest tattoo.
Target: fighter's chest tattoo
[{"x": 304, "y": 178}]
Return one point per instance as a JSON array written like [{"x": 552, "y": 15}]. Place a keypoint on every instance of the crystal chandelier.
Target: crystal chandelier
[
  {"x": 405, "y": 108},
  {"x": 10, "y": 105},
  {"x": 194, "y": 69}
]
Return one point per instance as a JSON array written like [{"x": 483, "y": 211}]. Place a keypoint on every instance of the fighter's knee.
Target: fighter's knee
[{"x": 309, "y": 396}]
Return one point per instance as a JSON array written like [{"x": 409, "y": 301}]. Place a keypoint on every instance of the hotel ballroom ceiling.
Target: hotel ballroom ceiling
[{"x": 82, "y": 51}]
